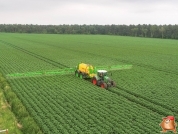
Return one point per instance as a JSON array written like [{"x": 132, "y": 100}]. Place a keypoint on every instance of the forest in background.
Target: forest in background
[{"x": 151, "y": 31}]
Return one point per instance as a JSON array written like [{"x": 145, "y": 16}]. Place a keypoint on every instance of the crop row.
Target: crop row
[
  {"x": 65, "y": 104},
  {"x": 65, "y": 53},
  {"x": 20, "y": 62},
  {"x": 156, "y": 57},
  {"x": 81, "y": 107},
  {"x": 22, "y": 115},
  {"x": 153, "y": 87},
  {"x": 72, "y": 49},
  {"x": 145, "y": 61},
  {"x": 62, "y": 52},
  {"x": 54, "y": 63}
]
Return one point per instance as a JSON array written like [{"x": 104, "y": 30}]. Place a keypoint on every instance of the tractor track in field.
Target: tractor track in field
[
  {"x": 47, "y": 60},
  {"x": 133, "y": 97},
  {"x": 150, "y": 67},
  {"x": 121, "y": 60},
  {"x": 143, "y": 101},
  {"x": 115, "y": 59}
]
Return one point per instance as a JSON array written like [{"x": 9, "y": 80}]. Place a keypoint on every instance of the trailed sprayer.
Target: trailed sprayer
[{"x": 97, "y": 75}]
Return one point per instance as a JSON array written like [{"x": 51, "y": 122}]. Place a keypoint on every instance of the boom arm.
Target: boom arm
[
  {"x": 114, "y": 67},
  {"x": 66, "y": 71}
]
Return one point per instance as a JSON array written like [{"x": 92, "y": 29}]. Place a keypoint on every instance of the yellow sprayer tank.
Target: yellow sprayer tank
[{"x": 85, "y": 68}]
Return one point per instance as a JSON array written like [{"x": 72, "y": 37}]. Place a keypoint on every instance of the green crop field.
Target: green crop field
[{"x": 66, "y": 104}]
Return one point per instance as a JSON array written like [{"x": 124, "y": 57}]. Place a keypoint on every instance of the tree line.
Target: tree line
[{"x": 152, "y": 31}]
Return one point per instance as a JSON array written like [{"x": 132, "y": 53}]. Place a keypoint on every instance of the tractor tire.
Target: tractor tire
[
  {"x": 104, "y": 85},
  {"x": 94, "y": 81},
  {"x": 76, "y": 73},
  {"x": 113, "y": 84}
]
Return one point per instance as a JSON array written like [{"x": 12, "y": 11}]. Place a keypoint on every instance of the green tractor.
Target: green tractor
[{"x": 101, "y": 79}]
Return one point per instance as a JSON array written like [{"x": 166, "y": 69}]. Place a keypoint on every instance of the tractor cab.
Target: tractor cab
[{"x": 102, "y": 73}]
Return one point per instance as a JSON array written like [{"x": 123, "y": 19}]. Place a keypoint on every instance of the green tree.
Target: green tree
[
  {"x": 162, "y": 29},
  {"x": 152, "y": 30},
  {"x": 144, "y": 30},
  {"x": 134, "y": 31}
]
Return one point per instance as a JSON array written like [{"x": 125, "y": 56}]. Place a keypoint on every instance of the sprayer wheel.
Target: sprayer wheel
[
  {"x": 94, "y": 81},
  {"x": 81, "y": 76},
  {"x": 76, "y": 73}
]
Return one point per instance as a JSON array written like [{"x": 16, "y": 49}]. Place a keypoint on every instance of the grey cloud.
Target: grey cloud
[
  {"x": 22, "y": 5},
  {"x": 88, "y": 11}
]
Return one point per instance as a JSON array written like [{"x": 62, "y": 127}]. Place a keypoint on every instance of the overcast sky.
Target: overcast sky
[{"x": 101, "y": 12}]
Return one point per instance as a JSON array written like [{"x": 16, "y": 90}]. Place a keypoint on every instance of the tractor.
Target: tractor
[
  {"x": 98, "y": 77},
  {"x": 101, "y": 79}
]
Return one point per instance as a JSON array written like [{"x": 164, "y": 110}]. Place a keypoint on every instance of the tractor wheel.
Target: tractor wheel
[
  {"x": 104, "y": 85},
  {"x": 81, "y": 76},
  {"x": 113, "y": 84},
  {"x": 94, "y": 81},
  {"x": 76, "y": 73}
]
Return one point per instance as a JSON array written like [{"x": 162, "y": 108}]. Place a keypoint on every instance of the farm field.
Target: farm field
[{"x": 66, "y": 104}]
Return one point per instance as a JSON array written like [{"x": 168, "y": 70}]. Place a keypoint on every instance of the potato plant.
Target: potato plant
[{"x": 66, "y": 104}]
